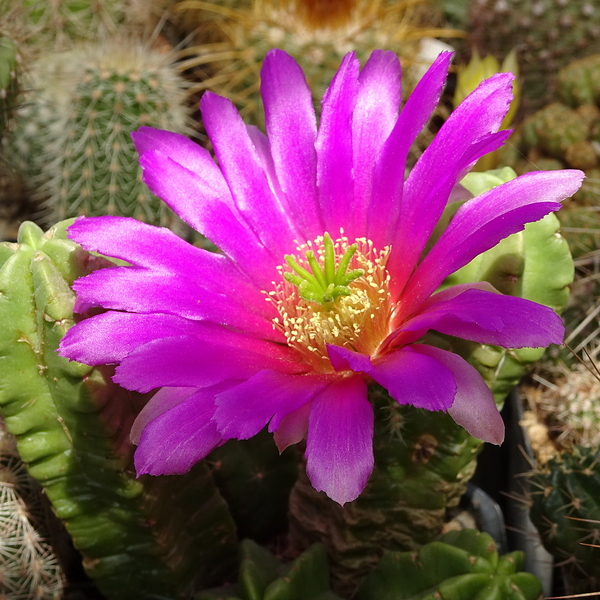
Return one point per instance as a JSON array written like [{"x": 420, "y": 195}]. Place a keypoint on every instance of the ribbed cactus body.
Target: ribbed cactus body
[
  {"x": 461, "y": 565},
  {"x": 148, "y": 537},
  {"x": 74, "y": 134},
  {"x": 423, "y": 461},
  {"x": 30, "y": 569},
  {"x": 255, "y": 480},
  {"x": 263, "y": 577},
  {"x": 566, "y": 511}
]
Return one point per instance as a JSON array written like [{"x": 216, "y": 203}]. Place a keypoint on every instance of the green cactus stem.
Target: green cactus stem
[
  {"x": 566, "y": 511},
  {"x": 461, "y": 565},
  {"x": 423, "y": 461},
  {"x": 30, "y": 568},
  {"x": 263, "y": 577},
  {"x": 255, "y": 481},
  {"x": 153, "y": 537}
]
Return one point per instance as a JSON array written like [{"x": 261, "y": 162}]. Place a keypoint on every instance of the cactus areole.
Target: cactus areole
[{"x": 321, "y": 287}]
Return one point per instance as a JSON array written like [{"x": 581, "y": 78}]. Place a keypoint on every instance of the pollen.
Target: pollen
[{"x": 354, "y": 309}]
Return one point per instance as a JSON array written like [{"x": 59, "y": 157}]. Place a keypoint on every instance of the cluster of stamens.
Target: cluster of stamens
[{"x": 333, "y": 292}]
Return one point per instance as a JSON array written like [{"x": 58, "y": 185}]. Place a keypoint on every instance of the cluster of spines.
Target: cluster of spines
[
  {"x": 29, "y": 569},
  {"x": 73, "y": 137},
  {"x": 566, "y": 511}
]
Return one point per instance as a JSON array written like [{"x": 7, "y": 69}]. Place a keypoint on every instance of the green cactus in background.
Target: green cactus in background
[
  {"x": 461, "y": 565},
  {"x": 30, "y": 568},
  {"x": 579, "y": 82},
  {"x": 73, "y": 135},
  {"x": 60, "y": 22},
  {"x": 255, "y": 481},
  {"x": 567, "y": 135},
  {"x": 8, "y": 81},
  {"x": 155, "y": 537},
  {"x": 263, "y": 577},
  {"x": 546, "y": 36},
  {"x": 234, "y": 37},
  {"x": 423, "y": 460},
  {"x": 566, "y": 511}
]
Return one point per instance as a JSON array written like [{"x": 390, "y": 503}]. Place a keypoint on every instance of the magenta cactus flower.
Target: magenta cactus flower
[{"x": 321, "y": 287}]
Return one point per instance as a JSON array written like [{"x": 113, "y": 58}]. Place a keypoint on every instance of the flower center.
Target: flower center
[{"x": 333, "y": 292}]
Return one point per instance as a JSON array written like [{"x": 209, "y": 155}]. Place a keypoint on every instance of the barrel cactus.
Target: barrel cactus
[
  {"x": 72, "y": 136},
  {"x": 566, "y": 510},
  {"x": 156, "y": 537},
  {"x": 236, "y": 35}
]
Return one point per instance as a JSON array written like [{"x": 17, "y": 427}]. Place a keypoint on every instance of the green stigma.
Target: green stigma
[{"x": 327, "y": 282}]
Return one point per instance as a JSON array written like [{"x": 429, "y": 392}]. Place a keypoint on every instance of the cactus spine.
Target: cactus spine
[
  {"x": 236, "y": 35},
  {"x": 30, "y": 570},
  {"x": 154, "y": 537},
  {"x": 566, "y": 510},
  {"x": 73, "y": 138}
]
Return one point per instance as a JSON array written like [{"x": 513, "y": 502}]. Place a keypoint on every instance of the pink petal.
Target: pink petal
[
  {"x": 210, "y": 214},
  {"x": 334, "y": 146},
  {"x": 292, "y": 428},
  {"x": 411, "y": 377},
  {"x": 440, "y": 167},
  {"x": 339, "y": 444},
  {"x": 242, "y": 411},
  {"x": 374, "y": 117},
  {"x": 186, "y": 153},
  {"x": 292, "y": 130},
  {"x": 148, "y": 291},
  {"x": 473, "y": 407},
  {"x": 483, "y": 221},
  {"x": 177, "y": 439},
  {"x": 388, "y": 183},
  {"x": 184, "y": 361},
  {"x": 487, "y": 317},
  {"x": 165, "y": 399},
  {"x": 241, "y": 166},
  {"x": 109, "y": 337}
]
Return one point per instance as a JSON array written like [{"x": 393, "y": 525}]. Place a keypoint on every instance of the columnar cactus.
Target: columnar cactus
[
  {"x": 566, "y": 510},
  {"x": 151, "y": 537},
  {"x": 73, "y": 135}
]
